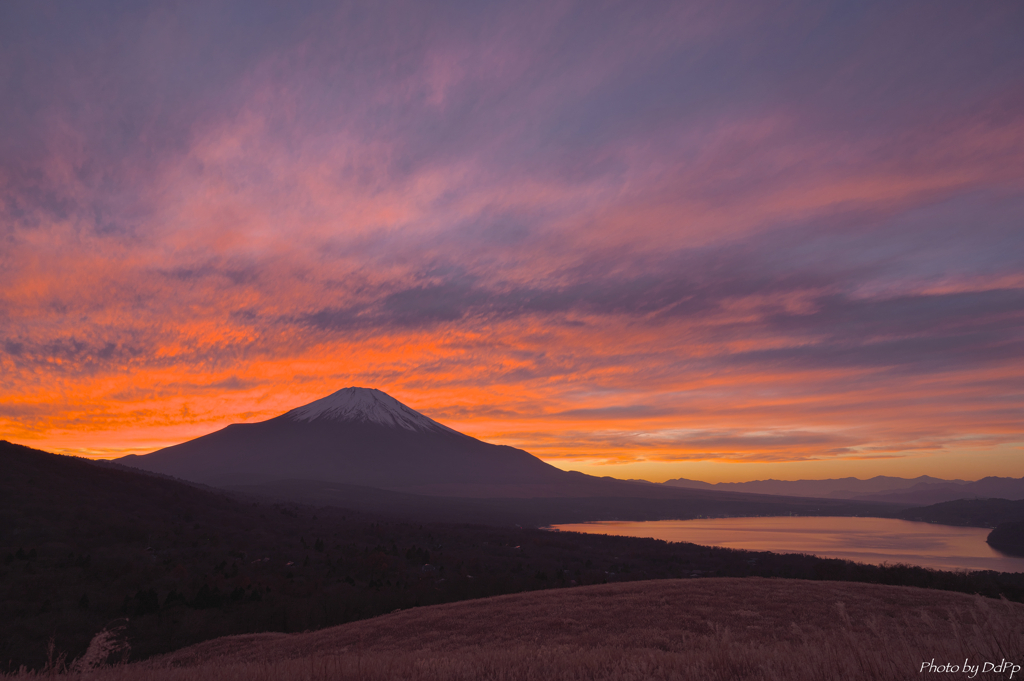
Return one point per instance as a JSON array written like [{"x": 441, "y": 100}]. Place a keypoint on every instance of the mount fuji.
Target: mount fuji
[
  {"x": 356, "y": 436},
  {"x": 362, "y": 449}
]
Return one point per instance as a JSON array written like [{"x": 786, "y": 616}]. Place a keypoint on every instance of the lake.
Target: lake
[{"x": 865, "y": 540}]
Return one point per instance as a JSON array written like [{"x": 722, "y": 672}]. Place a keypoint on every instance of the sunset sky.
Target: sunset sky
[{"x": 722, "y": 241}]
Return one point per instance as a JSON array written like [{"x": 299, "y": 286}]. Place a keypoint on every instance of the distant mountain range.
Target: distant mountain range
[{"x": 920, "y": 491}]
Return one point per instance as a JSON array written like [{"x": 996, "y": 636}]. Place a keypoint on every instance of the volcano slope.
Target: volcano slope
[
  {"x": 360, "y": 448},
  {"x": 670, "y": 629},
  {"x": 358, "y": 436}
]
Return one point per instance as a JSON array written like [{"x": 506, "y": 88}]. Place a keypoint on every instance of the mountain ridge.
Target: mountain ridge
[{"x": 922, "y": 490}]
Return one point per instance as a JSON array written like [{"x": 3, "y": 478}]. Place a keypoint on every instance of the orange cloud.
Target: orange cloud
[{"x": 600, "y": 255}]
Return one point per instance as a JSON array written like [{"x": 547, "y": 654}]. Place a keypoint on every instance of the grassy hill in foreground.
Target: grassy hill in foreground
[{"x": 705, "y": 629}]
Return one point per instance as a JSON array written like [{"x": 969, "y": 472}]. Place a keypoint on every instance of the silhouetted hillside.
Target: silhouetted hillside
[
  {"x": 83, "y": 545},
  {"x": 609, "y": 500},
  {"x": 969, "y": 512},
  {"x": 1008, "y": 538}
]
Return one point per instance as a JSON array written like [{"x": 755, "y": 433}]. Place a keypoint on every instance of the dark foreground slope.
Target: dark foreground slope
[
  {"x": 776, "y": 630},
  {"x": 82, "y": 545}
]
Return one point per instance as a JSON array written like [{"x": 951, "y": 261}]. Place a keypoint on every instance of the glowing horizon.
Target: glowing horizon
[{"x": 710, "y": 241}]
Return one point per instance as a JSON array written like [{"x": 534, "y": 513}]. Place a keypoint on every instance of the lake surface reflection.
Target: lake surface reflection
[{"x": 865, "y": 540}]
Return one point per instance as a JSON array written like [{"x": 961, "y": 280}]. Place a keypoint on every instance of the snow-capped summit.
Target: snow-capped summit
[
  {"x": 366, "y": 405},
  {"x": 357, "y": 436}
]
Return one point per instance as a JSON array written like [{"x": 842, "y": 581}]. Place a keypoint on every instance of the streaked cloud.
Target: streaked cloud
[{"x": 600, "y": 232}]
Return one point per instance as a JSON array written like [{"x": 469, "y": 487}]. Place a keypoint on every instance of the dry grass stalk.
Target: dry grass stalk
[{"x": 107, "y": 643}]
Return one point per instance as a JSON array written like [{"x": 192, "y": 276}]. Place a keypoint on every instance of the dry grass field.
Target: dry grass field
[{"x": 670, "y": 629}]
